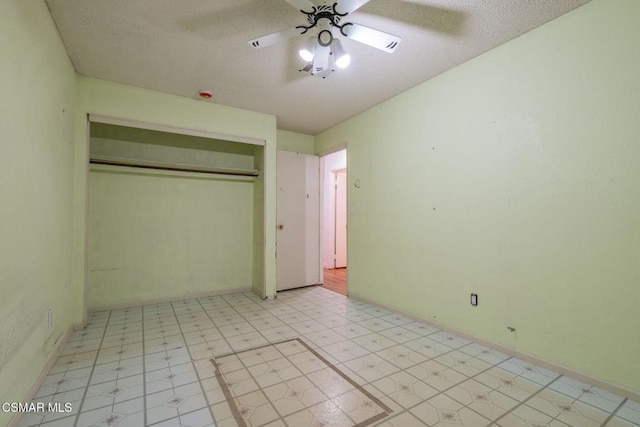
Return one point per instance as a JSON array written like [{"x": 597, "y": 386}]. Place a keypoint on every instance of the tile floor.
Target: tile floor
[{"x": 189, "y": 363}]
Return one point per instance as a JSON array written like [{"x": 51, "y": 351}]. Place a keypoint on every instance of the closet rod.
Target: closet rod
[{"x": 171, "y": 167}]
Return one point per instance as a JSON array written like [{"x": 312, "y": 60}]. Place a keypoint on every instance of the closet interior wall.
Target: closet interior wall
[{"x": 157, "y": 234}]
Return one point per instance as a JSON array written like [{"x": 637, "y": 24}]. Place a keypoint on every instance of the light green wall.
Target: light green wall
[
  {"x": 515, "y": 176},
  {"x": 157, "y": 235},
  {"x": 37, "y": 83},
  {"x": 296, "y": 142},
  {"x": 126, "y": 102}
]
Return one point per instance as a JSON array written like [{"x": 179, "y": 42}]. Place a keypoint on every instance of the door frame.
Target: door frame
[{"x": 336, "y": 174}]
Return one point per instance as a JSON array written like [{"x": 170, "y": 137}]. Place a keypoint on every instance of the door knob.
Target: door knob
[{"x": 280, "y": 227}]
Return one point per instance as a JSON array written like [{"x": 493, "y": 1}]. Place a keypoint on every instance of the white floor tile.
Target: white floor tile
[{"x": 160, "y": 357}]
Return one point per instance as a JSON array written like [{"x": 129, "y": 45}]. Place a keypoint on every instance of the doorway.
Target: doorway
[{"x": 333, "y": 168}]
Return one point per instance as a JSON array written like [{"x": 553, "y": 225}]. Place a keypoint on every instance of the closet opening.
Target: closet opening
[{"x": 171, "y": 214}]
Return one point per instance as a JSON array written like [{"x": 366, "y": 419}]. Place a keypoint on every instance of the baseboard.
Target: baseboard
[
  {"x": 163, "y": 300},
  {"x": 534, "y": 360},
  {"x": 43, "y": 374}
]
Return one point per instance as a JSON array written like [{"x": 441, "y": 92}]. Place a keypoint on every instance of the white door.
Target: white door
[
  {"x": 298, "y": 210},
  {"x": 341, "y": 220}
]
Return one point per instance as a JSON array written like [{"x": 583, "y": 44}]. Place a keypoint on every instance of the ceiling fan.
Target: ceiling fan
[{"x": 323, "y": 50}]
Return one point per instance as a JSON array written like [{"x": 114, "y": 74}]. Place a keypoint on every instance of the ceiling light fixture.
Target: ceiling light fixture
[
  {"x": 307, "y": 50},
  {"x": 322, "y": 43},
  {"x": 342, "y": 58},
  {"x": 323, "y": 52}
]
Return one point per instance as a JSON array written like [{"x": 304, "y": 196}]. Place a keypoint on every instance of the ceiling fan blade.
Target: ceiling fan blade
[
  {"x": 369, "y": 36},
  {"x": 302, "y": 5},
  {"x": 440, "y": 19},
  {"x": 321, "y": 59},
  {"x": 274, "y": 38},
  {"x": 348, "y": 6}
]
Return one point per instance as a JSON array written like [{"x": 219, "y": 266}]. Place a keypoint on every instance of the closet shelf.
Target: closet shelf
[{"x": 149, "y": 164}]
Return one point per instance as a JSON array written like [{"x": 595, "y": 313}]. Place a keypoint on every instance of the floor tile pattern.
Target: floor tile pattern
[
  {"x": 295, "y": 382},
  {"x": 150, "y": 366}
]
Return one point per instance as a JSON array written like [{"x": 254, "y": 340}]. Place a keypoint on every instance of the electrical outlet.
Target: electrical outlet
[
  {"x": 474, "y": 299},
  {"x": 50, "y": 317}
]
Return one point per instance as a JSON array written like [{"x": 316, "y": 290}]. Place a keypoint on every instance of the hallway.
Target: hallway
[{"x": 335, "y": 279}]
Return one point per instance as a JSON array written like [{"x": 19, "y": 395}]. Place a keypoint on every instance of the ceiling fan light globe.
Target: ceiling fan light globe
[
  {"x": 308, "y": 49},
  {"x": 306, "y": 54},
  {"x": 343, "y": 61},
  {"x": 342, "y": 58}
]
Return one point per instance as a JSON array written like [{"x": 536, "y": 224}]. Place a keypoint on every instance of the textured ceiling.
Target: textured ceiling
[{"x": 183, "y": 46}]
